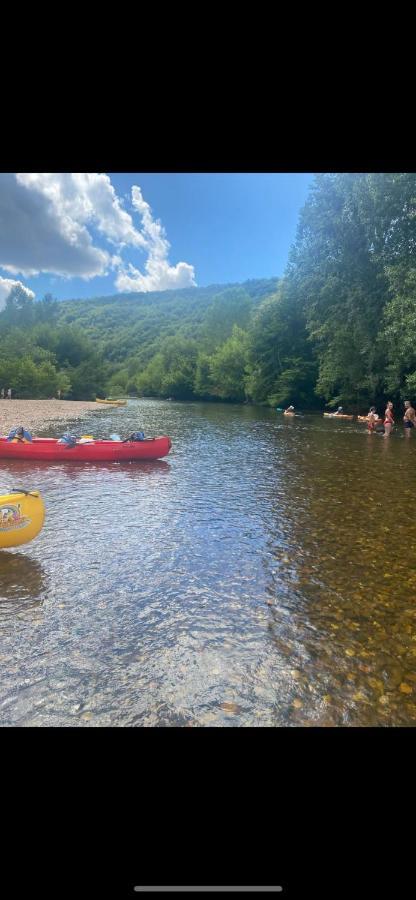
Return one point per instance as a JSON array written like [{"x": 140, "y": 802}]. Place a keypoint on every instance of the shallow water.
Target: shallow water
[{"x": 263, "y": 574}]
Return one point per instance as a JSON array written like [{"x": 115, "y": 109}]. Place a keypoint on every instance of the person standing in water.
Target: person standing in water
[
  {"x": 409, "y": 418},
  {"x": 388, "y": 419},
  {"x": 372, "y": 418}
]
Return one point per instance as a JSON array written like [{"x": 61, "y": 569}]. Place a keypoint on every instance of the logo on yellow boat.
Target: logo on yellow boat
[{"x": 11, "y": 518}]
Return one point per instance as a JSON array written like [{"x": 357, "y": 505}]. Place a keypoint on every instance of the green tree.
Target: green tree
[
  {"x": 149, "y": 382},
  {"x": 229, "y": 367},
  {"x": 63, "y": 383},
  {"x": 282, "y": 367},
  {"x": 203, "y": 385},
  {"x": 399, "y": 332},
  {"x": 19, "y": 307},
  {"x": 171, "y": 372},
  {"x": 228, "y": 308},
  {"x": 89, "y": 379},
  {"x": 47, "y": 309},
  {"x": 338, "y": 276}
]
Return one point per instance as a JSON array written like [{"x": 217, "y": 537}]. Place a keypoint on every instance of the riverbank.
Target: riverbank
[{"x": 35, "y": 414}]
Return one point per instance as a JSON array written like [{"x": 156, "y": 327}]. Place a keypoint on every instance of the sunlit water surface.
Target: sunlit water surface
[{"x": 262, "y": 575}]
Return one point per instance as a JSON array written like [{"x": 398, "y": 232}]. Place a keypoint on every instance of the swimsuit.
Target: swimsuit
[{"x": 408, "y": 423}]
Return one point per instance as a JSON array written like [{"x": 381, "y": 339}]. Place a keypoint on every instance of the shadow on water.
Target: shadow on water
[{"x": 22, "y": 583}]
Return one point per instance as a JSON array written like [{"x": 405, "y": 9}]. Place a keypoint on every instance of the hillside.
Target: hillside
[
  {"x": 105, "y": 344},
  {"x": 133, "y": 325}
]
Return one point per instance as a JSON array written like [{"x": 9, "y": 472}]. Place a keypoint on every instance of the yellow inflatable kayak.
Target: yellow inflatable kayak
[
  {"x": 22, "y": 514},
  {"x": 337, "y": 416},
  {"x": 112, "y": 402}
]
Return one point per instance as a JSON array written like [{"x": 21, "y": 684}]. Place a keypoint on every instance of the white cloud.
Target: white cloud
[
  {"x": 86, "y": 197},
  {"x": 36, "y": 235},
  {"x": 6, "y": 284},
  {"x": 45, "y": 226},
  {"x": 160, "y": 276}
]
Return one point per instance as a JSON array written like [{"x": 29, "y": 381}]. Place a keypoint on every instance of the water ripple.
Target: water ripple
[{"x": 256, "y": 577}]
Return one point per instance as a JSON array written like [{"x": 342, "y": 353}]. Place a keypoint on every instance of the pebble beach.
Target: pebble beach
[{"x": 35, "y": 414}]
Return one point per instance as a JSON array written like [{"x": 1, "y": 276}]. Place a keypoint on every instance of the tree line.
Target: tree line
[{"x": 338, "y": 327}]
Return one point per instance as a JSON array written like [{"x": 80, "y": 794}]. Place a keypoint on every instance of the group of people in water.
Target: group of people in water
[
  {"x": 409, "y": 418},
  {"x": 4, "y": 394},
  {"x": 376, "y": 422}
]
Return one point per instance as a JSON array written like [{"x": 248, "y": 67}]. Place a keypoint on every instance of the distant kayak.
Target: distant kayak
[
  {"x": 50, "y": 450},
  {"x": 112, "y": 402},
  {"x": 22, "y": 514},
  {"x": 337, "y": 416}
]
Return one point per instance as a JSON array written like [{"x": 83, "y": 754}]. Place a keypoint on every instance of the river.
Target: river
[{"x": 263, "y": 574}]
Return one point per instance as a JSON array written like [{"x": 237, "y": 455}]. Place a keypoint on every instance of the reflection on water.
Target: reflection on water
[
  {"x": 263, "y": 575},
  {"x": 22, "y": 583},
  {"x": 19, "y": 471}
]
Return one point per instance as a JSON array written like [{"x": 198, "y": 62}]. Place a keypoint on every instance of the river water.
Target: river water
[{"x": 262, "y": 575}]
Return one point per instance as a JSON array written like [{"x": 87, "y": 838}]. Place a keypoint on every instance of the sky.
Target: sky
[{"x": 85, "y": 235}]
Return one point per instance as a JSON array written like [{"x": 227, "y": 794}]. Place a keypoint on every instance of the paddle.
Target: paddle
[{"x": 23, "y": 491}]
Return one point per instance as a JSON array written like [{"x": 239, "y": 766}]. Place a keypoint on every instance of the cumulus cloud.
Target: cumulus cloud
[
  {"x": 86, "y": 197},
  {"x": 159, "y": 274},
  {"x": 6, "y": 284},
  {"x": 37, "y": 236},
  {"x": 49, "y": 222}
]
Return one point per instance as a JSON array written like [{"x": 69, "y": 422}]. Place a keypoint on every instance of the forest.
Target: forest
[{"x": 338, "y": 327}]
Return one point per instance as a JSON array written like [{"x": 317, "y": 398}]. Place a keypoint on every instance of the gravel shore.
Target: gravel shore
[{"x": 34, "y": 414}]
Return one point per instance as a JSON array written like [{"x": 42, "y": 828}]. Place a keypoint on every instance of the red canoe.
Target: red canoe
[{"x": 97, "y": 451}]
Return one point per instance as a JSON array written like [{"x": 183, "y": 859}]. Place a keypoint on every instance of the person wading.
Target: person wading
[
  {"x": 388, "y": 419},
  {"x": 409, "y": 418}
]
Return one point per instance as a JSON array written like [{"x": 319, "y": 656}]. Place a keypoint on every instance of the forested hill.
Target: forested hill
[
  {"x": 135, "y": 323},
  {"x": 156, "y": 343}
]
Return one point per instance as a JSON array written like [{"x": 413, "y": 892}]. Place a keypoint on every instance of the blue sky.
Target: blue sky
[{"x": 141, "y": 231}]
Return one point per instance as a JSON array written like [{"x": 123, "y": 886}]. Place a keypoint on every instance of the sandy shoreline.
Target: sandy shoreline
[{"x": 34, "y": 414}]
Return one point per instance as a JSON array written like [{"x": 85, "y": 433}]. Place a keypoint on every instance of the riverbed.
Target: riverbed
[
  {"x": 261, "y": 575},
  {"x": 36, "y": 414}
]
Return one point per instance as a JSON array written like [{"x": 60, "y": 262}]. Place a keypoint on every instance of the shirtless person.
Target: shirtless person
[{"x": 409, "y": 418}]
